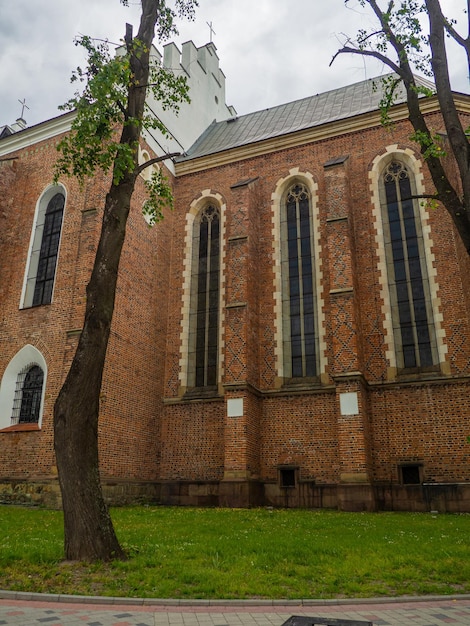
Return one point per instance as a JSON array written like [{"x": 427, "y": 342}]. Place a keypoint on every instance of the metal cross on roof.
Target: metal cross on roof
[
  {"x": 212, "y": 31},
  {"x": 23, "y": 107}
]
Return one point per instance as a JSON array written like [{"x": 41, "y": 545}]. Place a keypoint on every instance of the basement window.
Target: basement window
[
  {"x": 411, "y": 474},
  {"x": 287, "y": 477}
]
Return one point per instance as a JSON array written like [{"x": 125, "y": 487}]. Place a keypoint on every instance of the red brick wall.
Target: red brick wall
[
  {"x": 192, "y": 438},
  {"x": 133, "y": 374},
  {"x": 422, "y": 423},
  {"x": 147, "y": 432},
  {"x": 44, "y": 327},
  {"x": 302, "y": 429}
]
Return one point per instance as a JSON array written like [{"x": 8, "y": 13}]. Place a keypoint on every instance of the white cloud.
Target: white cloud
[{"x": 271, "y": 51}]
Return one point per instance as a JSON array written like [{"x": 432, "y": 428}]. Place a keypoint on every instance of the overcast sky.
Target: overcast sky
[{"x": 271, "y": 51}]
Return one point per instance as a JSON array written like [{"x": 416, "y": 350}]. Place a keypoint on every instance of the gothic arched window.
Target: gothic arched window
[
  {"x": 204, "y": 314},
  {"x": 300, "y": 334},
  {"x": 28, "y": 395},
  {"x": 412, "y": 318},
  {"x": 45, "y": 249}
]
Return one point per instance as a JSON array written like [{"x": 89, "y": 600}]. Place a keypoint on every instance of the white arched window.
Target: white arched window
[
  {"x": 205, "y": 299},
  {"x": 44, "y": 248},
  {"x": 22, "y": 389},
  {"x": 408, "y": 281},
  {"x": 300, "y": 336},
  {"x": 298, "y": 296}
]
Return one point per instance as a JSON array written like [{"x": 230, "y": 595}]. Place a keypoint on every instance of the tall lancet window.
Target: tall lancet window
[
  {"x": 300, "y": 334},
  {"x": 45, "y": 250},
  {"x": 412, "y": 318},
  {"x": 204, "y": 322}
]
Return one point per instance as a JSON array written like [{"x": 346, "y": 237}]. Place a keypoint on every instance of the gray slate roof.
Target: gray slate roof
[
  {"x": 294, "y": 116},
  {"x": 5, "y": 131}
]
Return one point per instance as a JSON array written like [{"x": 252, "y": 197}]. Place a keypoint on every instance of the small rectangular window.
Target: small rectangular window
[
  {"x": 287, "y": 477},
  {"x": 411, "y": 474}
]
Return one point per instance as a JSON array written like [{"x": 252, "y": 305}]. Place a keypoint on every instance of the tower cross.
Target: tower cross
[
  {"x": 211, "y": 30},
  {"x": 23, "y": 107}
]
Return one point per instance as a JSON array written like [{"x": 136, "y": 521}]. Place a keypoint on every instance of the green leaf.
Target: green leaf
[
  {"x": 160, "y": 196},
  {"x": 101, "y": 111}
]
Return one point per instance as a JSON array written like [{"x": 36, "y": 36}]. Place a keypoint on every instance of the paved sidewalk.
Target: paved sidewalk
[{"x": 48, "y": 610}]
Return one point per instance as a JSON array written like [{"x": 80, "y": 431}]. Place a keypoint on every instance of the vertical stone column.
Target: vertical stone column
[
  {"x": 241, "y": 466},
  {"x": 354, "y": 491}
]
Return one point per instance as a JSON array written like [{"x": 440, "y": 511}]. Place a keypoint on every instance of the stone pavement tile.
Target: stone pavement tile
[{"x": 398, "y": 613}]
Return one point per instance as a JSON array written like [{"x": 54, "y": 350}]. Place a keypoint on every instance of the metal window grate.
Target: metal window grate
[{"x": 28, "y": 395}]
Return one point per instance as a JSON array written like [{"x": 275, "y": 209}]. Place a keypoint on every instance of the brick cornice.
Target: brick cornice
[{"x": 34, "y": 134}]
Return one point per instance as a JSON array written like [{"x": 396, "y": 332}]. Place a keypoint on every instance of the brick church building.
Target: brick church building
[{"x": 295, "y": 333}]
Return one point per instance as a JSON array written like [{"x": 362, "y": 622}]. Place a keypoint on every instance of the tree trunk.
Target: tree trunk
[
  {"x": 456, "y": 133},
  {"x": 89, "y": 532}
]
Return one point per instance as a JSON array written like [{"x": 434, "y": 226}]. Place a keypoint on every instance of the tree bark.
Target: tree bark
[
  {"x": 455, "y": 132},
  {"x": 89, "y": 532}
]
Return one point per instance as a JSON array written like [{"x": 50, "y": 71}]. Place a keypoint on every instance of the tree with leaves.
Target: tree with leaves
[
  {"x": 110, "y": 117},
  {"x": 412, "y": 35}
]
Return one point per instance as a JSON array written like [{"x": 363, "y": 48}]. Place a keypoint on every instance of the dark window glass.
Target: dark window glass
[
  {"x": 49, "y": 250},
  {"x": 410, "y": 474},
  {"x": 300, "y": 283},
  {"x": 407, "y": 277},
  {"x": 395, "y": 230},
  {"x": 207, "y": 318},
  {"x": 287, "y": 477}
]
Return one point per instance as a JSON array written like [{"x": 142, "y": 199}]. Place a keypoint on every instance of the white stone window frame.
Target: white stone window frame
[
  {"x": 146, "y": 174},
  {"x": 143, "y": 157},
  {"x": 26, "y": 357},
  {"x": 414, "y": 166},
  {"x": 277, "y": 200},
  {"x": 206, "y": 198},
  {"x": 34, "y": 250}
]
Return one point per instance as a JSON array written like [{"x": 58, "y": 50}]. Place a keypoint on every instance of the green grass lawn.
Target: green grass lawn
[{"x": 233, "y": 553}]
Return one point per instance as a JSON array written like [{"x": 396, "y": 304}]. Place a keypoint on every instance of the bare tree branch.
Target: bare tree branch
[
  {"x": 464, "y": 42},
  {"x": 404, "y": 41},
  {"x": 143, "y": 166},
  {"x": 367, "y": 53}
]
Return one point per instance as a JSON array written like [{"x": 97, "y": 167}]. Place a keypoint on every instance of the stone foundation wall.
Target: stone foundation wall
[
  {"x": 443, "y": 497},
  {"x": 46, "y": 492},
  {"x": 40, "y": 492}
]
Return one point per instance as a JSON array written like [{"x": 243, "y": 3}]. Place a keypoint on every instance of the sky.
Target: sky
[{"x": 271, "y": 51}]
